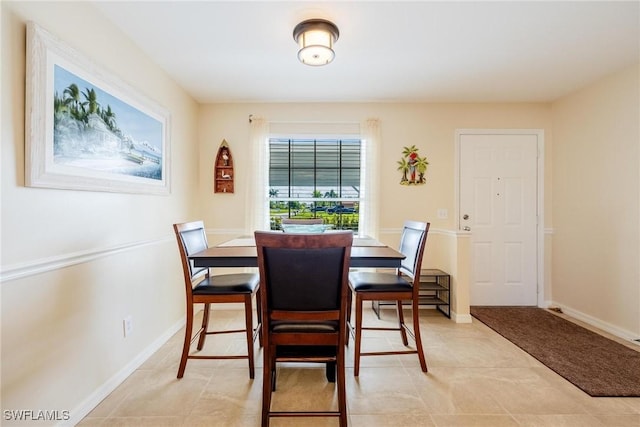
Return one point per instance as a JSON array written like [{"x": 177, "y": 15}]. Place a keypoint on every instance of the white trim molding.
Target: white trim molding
[
  {"x": 44, "y": 265},
  {"x": 595, "y": 322},
  {"x": 461, "y": 318}
]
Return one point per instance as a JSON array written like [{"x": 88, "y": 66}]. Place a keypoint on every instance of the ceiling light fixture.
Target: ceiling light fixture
[{"x": 315, "y": 37}]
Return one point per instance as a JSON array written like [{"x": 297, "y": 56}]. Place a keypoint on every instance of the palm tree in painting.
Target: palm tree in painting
[
  {"x": 412, "y": 154},
  {"x": 79, "y": 110},
  {"x": 421, "y": 167},
  {"x": 59, "y": 106},
  {"x": 409, "y": 150},
  {"x": 72, "y": 101},
  {"x": 72, "y": 96},
  {"x": 91, "y": 101},
  {"x": 403, "y": 166},
  {"x": 109, "y": 117}
]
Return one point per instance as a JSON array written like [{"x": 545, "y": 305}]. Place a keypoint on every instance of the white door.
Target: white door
[{"x": 498, "y": 204}]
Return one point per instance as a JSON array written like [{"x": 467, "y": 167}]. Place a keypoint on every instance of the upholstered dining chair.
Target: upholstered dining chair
[
  {"x": 303, "y": 288},
  {"x": 203, "y": 288},
  {"x": 401, "y": 286}
]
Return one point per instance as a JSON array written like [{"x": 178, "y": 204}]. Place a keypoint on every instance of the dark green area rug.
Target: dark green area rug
[{"x": 595, "y": 364}]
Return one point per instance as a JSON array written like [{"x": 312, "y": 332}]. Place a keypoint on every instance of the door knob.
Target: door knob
[
  {"x": 466, "y": 228},
  {"x": 465, "y": 216}
]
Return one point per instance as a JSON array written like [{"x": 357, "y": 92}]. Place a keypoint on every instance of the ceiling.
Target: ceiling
[{"x": 418, "y": 51}]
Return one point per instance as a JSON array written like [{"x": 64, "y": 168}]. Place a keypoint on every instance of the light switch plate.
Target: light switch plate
[{"x": 127, "y": 324}]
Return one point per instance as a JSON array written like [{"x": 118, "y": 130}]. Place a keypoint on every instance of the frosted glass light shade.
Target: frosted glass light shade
[{"x": 315, "y": 38}]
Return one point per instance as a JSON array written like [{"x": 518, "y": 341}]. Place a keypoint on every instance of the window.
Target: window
[{"x": 315, "y": 178}]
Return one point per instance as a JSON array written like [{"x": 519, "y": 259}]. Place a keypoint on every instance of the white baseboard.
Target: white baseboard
[
  {"x": 105, "y": 389},
  {"x": 460, "y": 318},
  {"x": 602, "y": 325}
]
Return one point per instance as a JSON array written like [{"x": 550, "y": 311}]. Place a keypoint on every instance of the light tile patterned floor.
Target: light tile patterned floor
[{"x": 475, "y": 378}]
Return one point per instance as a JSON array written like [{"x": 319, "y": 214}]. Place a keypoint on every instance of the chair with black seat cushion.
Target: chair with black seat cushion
[
  {"x": 303, "y": 288},
  {"x": 401, "y": 286},
  {"x": 203, "y": 288}
]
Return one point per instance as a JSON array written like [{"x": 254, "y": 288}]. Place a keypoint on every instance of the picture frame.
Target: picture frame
[{"x": 86, "y": 129}]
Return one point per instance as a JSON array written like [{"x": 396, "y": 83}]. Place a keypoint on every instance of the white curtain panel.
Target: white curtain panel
[
  {"x": 370, "y": 178},
  {"x": 257, "y": 195}
]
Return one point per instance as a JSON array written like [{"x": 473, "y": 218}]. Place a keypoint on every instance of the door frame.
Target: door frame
[{"x": 539, "y": 133}]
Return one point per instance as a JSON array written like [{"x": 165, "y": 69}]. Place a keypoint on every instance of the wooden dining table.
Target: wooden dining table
[{"x": 366, "y": 252}]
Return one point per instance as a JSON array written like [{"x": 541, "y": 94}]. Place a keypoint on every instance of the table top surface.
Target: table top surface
[{"x": 241, "y": 252}]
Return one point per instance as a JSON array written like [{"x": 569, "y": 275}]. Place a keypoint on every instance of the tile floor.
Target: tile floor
[{"x": 475, "y": 378}]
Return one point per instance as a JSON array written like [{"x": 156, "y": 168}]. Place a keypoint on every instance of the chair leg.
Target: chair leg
[
  {"x": 274, "y": 376},
  {"x": 358, "y": 338},
  {"x": 348, "y": 317},
  {"x": 248, "y": 315},
  {"x": 205, "y": 326},
  {"x": 342, "y": 392},
  {"x": 401, "y": 325},
  {"x": 259, "y": 317},
  {"x": 267, "y": 386},
  {"x": 416, "y": 332},
  {"x": 187, "y": 340},
  {"x": 331, "y": 372}
]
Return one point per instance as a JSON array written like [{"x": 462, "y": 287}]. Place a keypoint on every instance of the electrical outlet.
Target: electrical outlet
[
  {"x": 443, "y": 213},
  {"x": 127, "y": 324}
]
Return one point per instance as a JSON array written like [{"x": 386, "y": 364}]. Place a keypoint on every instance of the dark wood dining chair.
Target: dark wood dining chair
[
  {"x": 203, "y": 288},
  {"x": 303, "y": 286},
  {"x": 401, "y": 286}
]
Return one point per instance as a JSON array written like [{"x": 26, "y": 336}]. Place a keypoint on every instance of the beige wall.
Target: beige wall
[
  {"x": 431, "y": 127},
  {"x": 75, "y": 263},
  {"x": 596, "y": 240}
]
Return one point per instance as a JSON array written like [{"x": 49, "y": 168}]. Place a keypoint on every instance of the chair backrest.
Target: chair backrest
[
  {"x": 304, "y": 272},
  {"x": 191, "y": 238},
  {"x": 412, "y": 243},
  {"x": 309, "y": 221}
]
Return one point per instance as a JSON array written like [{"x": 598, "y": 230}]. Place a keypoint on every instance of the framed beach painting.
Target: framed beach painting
[{"x": 86, "y": 129}]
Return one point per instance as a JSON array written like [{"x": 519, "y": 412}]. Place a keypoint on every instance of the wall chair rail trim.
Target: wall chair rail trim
[{"x": 44, "y": 265}]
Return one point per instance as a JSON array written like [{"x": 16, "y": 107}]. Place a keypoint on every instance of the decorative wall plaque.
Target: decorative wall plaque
[{"x": 223, "y": 170}]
